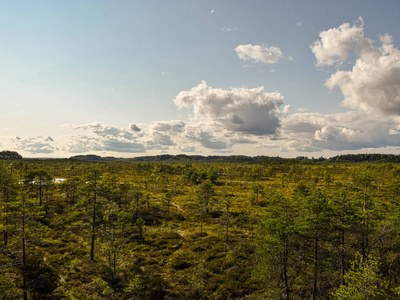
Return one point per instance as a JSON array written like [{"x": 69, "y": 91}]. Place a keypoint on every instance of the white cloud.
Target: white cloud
[
  {"x": 189, "y": 149},
  {"x": 373, "y": 83},
  {"x": 242, "y": 140},
  {"x": 337, "y": 133},
  {"x": 168, "y": 126},
  {"x": 299, "y": 24},
  {"x": 83, "y": 143},
  {"x": 210, "y": 142},
  {"x": 105, "y": 138},
  {"x": 229, "y": 29},
  {"x": 123, "y": 146},
  {"x": 242, "y": 110},
  {"x": 163, "y": 134},
  {"x": 286, "y": 110},
  {"x": 35, "y": 145},
  {"x": 268, "y": 55},
  {"x": 160, "y": 135},
  {"x": 334, "y": 45},
  {"x": 212, "y": 11},
  {"x": 130, "y": 133},
  {"x": 344, "y": 131}
]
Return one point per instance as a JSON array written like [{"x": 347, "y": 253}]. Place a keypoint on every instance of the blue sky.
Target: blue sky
[{"x": 130, "y": 78}]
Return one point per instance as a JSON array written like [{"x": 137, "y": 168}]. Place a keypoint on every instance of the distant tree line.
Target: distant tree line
[
  {"x": 9, "y": 155},
  {"x": 346, "y": 158},
  {"x": 373, "y": 157}
]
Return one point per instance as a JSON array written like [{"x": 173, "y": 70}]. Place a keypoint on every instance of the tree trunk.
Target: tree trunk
[
  {"x": 115, "y": 259},
  {"x": 92, "y": 245},
  {"x": 342, "y": 258},
  {"x": 315, "y": 267},
  {"x": 5, "y": 230},
  {"x": 365, "y": 226},
  {"x": 226, "y": 233},
  {"x": 40, "y": 192},
  {"x": 285, "y": 275},
  {"x": 24, "y": 253},
  {"x": 93, "y": 222}
]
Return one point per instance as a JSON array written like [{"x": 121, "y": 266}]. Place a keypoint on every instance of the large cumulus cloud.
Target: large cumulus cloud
[
  {"x": 243, "y": 110},
  {"x": 162, "y": 135},
  {"x": 373, "y": 83},
  {"x": 334, "y": 45},
  {"x": 343, "y": 131}
]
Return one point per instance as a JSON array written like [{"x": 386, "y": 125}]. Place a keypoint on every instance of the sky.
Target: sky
[{"x": 130, "y": 78}]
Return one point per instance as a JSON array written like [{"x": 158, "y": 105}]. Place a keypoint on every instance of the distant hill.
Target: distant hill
[
  {"x": 10, "y": 155},
  {"x": 93, "y": 157}
]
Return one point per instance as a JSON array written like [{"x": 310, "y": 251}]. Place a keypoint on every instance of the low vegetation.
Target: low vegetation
[{"x": 272, "y": 229}]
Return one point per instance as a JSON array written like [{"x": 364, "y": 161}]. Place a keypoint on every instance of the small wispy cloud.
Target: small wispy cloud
[
  {"x": 229, "y": 29},
  {"x": 299, "y": 24},
  {"x": 259, "y": 53},
  {"x": 212, "y": 11}
]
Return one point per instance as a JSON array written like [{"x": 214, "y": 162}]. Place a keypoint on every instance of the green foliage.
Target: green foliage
[
  {"x": 134, "y": 288},
  {"x": 274, "y": 229},
  {"x": 362, "y": 281},
  {"x": 98, "y": 289},
  {"x": 256, "y": 191},
  {"x": 41, "y": 277},
  {"x": 205, "y": 192},
  {"x": 139, "y": 224},
  {"x": 212, "y": 175},
  {"x": 277, "y": 247},
  {"x": 8, "y": 287}
]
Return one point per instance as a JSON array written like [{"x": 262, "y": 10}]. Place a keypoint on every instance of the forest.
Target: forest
[{"x": 261, "y": 229}]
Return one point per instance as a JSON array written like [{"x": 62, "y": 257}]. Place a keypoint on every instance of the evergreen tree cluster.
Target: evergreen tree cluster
[{"x": 9, "y": 155}]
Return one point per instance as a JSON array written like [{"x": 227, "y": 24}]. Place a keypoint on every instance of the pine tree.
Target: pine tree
[
  {"x": 362, "y": 281},
  {"x": 8, "y": 194},
  {"x": 276, "y": 247},
  {"x": 317, "y": 217}
]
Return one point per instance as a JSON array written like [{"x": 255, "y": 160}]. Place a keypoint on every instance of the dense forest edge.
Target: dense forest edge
[{"x": 292, "y": 229}]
